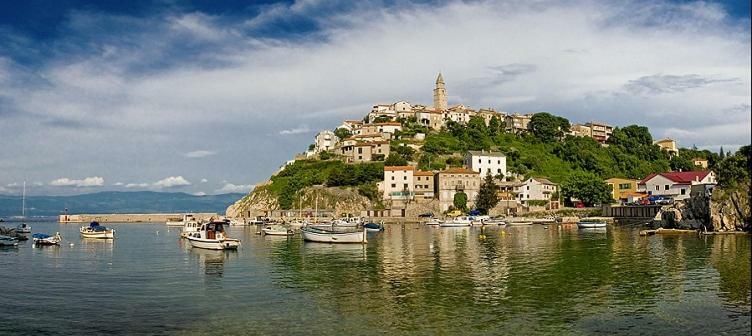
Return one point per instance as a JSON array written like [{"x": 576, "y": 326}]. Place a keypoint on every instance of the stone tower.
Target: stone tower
[{"x": 439, "y": 94}]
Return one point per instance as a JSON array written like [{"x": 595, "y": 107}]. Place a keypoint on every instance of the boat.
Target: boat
[
  {"x": 373, "y": 227},
  {"x": 94, "y": 230},
  {"x": 494, "y": 221},
  {"x": 8, "y": 241},
  {"x": 45, "y": 239},
  {"x": 479, "y": 220},
  {"x": 521, "y": 223},
  {"x": 591, "y": 224},
  {"x": 333, "y": 234},
  {"x": 23, "y": 228},
  {"x": 433, "y": 222},
  {"x": 277, "y": 230},
  {"x": 174, "y": 221},
  {"x": 348, "y": 222},
  {"x": 457, "y": 222},
  {"x": 189, "y": 226},
  {"x": 212, "y": 236}
]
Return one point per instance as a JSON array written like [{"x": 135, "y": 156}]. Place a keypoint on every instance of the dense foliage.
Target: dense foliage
[
  {"x": 586, "y": 187},
  {"x": 735, "y": 168},
  {"x": 460, "y": 201},
  {"x": 548, "y": 127},
  {"x": 488, "y": 195}
]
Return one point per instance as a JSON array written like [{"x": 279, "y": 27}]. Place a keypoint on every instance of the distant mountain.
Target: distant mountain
[{"x": 117, "y": 202}]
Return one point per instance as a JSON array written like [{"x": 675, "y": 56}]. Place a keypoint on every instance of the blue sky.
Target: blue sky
[{"x": 213, "y": 96}]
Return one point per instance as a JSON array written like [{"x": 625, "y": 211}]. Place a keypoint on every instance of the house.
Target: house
[
  {"x": 668, "y": 145},
  {"x": 351, "y": 125},
  {"x": 455, "y": 180},
  {"x": 580, "y": 130},
  {"x": 622, "y": 188},
  {"x": 484, "y": 162},
  {"x": 600, "y": 131},
  {"x": 536, "y": 188},
  {"x": 382, "y": 110},
  {"x": 369, "y": 151},
  {"x": 458, "y": 113},
  {"x": 700, "y": 163},
  {"x": 517, "y": 123},
  {"x": 487, "y": 115},
  {"x": 675, "y": 184},
  {"x": 325, "y": 141},
  {"x": 424, "y": 184},
  {"x": 508, "y": 190},
  {"x": 380, "y": 128},
  {"x": 398, "y": 182},
  {"x": 431, "y": 119}
]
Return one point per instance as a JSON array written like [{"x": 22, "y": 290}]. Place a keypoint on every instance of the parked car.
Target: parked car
[
  {"x": 426, "y": 215},
  {"x": 454, "y": 213}
]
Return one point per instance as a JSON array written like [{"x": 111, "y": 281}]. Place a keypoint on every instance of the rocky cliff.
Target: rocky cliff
[
  {"x": 342, "y": 200},
  {"x": 723, "y": 210}
]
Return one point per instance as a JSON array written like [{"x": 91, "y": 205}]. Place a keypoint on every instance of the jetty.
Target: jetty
[{"x": 131, "y": 218}]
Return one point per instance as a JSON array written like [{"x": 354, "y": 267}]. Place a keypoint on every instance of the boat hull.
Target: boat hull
[
  {"x": 334, "y": 237},
  {"x": 109, "y": 234},
  {"x": 213, "y": 244},
  {"x": 272, "y": 232},
  {"x": 519, "y": 223},
  {"x": 591, "y": 225}
]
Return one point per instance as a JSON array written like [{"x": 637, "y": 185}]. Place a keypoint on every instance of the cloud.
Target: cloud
[
  {"x": 95, "y": 181},
  {"x": 199, "y": 193},
  {"x": 137, "y": 185},
  {"x": 171, "y": 182},
  {"x": 657, "y": 84},
  {"x": 203, "y": 180},
  {"x": 119, "y": 184},
  {"x": 297, "y": 130},
  {"x": 233, "y": 188},
  {"x": 199, "y": 154}
]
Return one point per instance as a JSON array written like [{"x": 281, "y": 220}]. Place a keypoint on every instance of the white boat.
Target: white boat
[
  {"x": 591, "y": 224},
  {"x": 433, "y": 222},
  {"x": 45, "y": 239},
  {"x": 189, "y": 227},
  {"x": 212, "y": 236},
  {"x": 178, "y": 221},
  {"x": 94, "y": 230},
  {"x": 333, "y": 235},
  {"x": 373, "y": 227},
  {"x": 479, "y": 220},
  {"x": 512, "y": 223},
  {"x": 277, "y": 230},
  {"x": 8, "y": 241},
  {"x": 457, "y": 222},
  {"x": 494, "y": 222},
  {"x": 23, "y": 228},
  {"x": 348, "y": 222}
]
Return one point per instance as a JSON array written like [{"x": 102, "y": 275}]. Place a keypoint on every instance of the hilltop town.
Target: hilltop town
[{"x": 402, "y": 160}]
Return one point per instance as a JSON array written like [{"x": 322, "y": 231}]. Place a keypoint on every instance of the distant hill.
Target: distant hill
[{"x": 117, "y": 202}]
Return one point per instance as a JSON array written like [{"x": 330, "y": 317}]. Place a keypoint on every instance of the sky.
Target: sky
[{"x": 209, "y": 97}]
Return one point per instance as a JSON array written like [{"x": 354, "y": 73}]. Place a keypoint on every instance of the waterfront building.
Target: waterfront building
[
  {"x": 440, "y": 95},
  {"x": 600, "y": 131},
  {"x": 325, "y": 141},
  {"x": 700, "y": 163},
  {"x": 455, "y": 180},
  {"x": 424, "y": 184},
  {"x": 398, "y": 182},
  {"x": 675, "y": 184},
  {"x": 517, "y": 123},
  {"x": 622, "y": 188},
  {"x": 668, "y": 145},
  {"x": 484, "y": 162},
  {"x": 536, "y": 188},
  {"x": 508, "y": 190}
]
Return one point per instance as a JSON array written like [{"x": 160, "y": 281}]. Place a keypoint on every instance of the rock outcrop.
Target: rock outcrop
[
  {"x": 262, "y": 202},
  {"x": 721, "y": 210}
]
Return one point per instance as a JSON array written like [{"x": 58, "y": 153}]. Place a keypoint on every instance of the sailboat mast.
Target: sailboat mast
[
  {"x": 316, "y": 211},
  {"x": 23, "y": 202}
]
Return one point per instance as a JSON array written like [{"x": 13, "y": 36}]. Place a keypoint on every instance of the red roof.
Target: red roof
[{"x": 680, "y": 177}]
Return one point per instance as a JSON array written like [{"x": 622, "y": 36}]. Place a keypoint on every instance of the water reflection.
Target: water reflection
[{"x": 212, "y": 264}]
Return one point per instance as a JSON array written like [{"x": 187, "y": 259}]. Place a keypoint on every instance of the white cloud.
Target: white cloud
[
  {"x": 95, "y": 181},
  {"x": 137, "y": 185},
  {"x": 171, "y": 182},
  {"x": 119, "y": 184},
  {"x": 297, "y": 130},
  {"x": 203, "y": 180},
  {"x": 199, "y": 193},
  {"x": 233, "y": 188},
  {"x": 199, "y": 154}
]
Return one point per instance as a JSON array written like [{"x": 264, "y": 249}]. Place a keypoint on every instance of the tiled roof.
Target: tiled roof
[
  {"x": 393, "y": 168},
  {"x": 458, "y": 171},
  {"x": 484, "y": 153},
  {"x": 680, "y": 177},
  {"x": 543, "y": 180},
  {"x": 389, "y": 123},
  {"x": 423, "y": 173}
]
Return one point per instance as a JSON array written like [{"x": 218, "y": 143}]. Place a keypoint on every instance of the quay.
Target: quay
[{"x": 130, "y": 218}]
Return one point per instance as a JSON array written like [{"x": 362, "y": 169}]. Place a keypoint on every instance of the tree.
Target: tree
[
  {"x": 325, "y": 155},
  {"x": 406, "y": 152},
  {"x": 681, "y": 163},
  {"x": 734, "y": 169},
  {"x": 488, "y": 195},
  {"x": 311, "y": 147},
  {"x": 381, "y": 119},
  {"x": 460, "y": 201},
  {"x": 586, "y": 187},
  {"x": 548, "y": 127},
  {"x": 395, "y": 159},
  {"x": 721, "y": 155},
  {"x": 494, "y": 126},
  {"x": 342, "y": 133}
]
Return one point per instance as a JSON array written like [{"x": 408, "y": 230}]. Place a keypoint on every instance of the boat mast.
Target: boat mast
[
  {"x": 316, "y": 211},
  {"x": 23, "y": 202}
]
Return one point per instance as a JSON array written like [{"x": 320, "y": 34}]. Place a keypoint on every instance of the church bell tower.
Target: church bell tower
[{"x": 439, "y": 94}]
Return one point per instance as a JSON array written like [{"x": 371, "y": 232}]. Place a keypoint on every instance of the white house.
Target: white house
[
  {"x": 325, "y": 140},
  {"x": 536, "y": 188},
  {"x": 399, "y": 182},
  {"x": 674, "y": 184},
  {"x": 483, "y": 162}
]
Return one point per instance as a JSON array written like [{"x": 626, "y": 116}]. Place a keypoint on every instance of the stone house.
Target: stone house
[
  {"x": 486, "y": 161},
  {"x": 455, "y": 180}
]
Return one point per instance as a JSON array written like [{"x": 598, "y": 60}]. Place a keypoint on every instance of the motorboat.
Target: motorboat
[
  {"x": 494, "y": 221},
  {"x": 479, "y": 220},
  {"x": 591, "y": 224},
  {"x": 373, "y": 227},
  {"x": 277, "y": 230},
  {"x": 23, "y": 228},
  {"x": 333, "y": 234},
  {"x": 45, "y": 239},
  {"x": 174, "y": 221},
  {"x": 519, "y": 223},
  {"x": 457, "y": 222},
  {"x": 348, "y": 222},
  {"x": 190, "y": 226},
  {"x": 212, "y": 236},
  {"x": 94, "y": 230},
  {"x": 433, "y": 222},
  {"x": 8, "y": 241}
]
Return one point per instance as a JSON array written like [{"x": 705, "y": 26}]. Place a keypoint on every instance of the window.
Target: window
[
  {"x": 657, "y": 188},
  {"x": 394, "y": 185},
  {"x": 527, "y": 187},
  {"x": 684, "y": 191},
  {"x": 498, "y": 170},
  {"x": 404, "y": 177},
  {"x": 418, "y": 178},
  {"x": 665, "y": 187},
  {"x": 405, "y": 186},
  {"x": 392, "y": 177},
  {"x": 489, "y": 161},
  {"x": 360, "y": 150},
  {"x": 623, "y": 186},
  {"x": 479, "y": 161},
  {"x": 498, "y": 162}
]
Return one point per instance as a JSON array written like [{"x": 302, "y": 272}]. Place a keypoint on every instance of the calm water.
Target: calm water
[{"x": 407, "y": 280}]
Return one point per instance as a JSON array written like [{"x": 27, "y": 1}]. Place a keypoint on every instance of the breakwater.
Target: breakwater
[{"x": 130, "y": 218}]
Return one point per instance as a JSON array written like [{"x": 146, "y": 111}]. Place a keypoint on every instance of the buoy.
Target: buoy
[{"x": 71, "y": 244}]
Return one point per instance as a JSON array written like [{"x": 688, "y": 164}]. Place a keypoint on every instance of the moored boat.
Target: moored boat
[
  {"x": 277, "y": 230},
  {"x": 23, "y": 228},
  {"x": 94, "y": 230},
  {"x": 457, "y": 222},
  {"x": 174, "y": 221},
  {"x": 373, "y": 227},
  {"x": 433, "y": 222},
  {"x": 8, "y": 241},
  {"x": 45, "y": 239},
  {"x": 333, "y": 235},
  {"x": 521, "y": 223},
  {"x": 591, "y": 224},
  {"x": 212, "y": 236},
  {"x": 494, "y": 222}
]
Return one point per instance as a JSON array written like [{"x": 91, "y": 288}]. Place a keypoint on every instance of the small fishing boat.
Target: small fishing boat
[
  {"x": 174, "y": 221},
  {"x": 277, "y": 230},
  {"x": 45, "y": 239},
  {"x": 433, "y": 222},
  {"x": 373, "y": 227},
  {"x": 8, "y": 241},
  {"x": 333, "y": 235},
  {"x": 591, "y": 224},
  {"x": 457, "y": 222},
  {"x": 23, "y": 228},
  {"x": 522, "y": 223},
  {"x": 94, "y": 230},
  {"x": 494, "y": 221},
  {"x": 348, "y": 222},
  {"x": 212, "y": 236}
]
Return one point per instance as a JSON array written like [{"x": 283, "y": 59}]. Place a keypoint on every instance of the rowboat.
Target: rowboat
[
  {"x": 45, "y": 239},
  {"x": 373, "y": 227},
  {"x": 519, "y": 223},
  {"x": 433, "y": 222},
  {"x": 8, "y": 241},
  {"x": 94, "y": 230},
  {"x": 457, "y": 222},
  {"x": 212, "y": 236},
  {"x": 333, "y": 235},
  {"x": 494, "y": 222},
  {"x": 591, "y": 224},
  {"x": 277, "y": 230}
]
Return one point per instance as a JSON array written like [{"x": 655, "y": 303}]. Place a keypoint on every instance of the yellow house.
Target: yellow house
[
  {"x": 621, "y": 188},
  {"x": 700, "y": 163}
]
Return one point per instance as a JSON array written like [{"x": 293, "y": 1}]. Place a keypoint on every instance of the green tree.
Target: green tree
[
  {"x": 342, "y": 133},
  {"x": 381, "y": 119},
  {"x": 548, "y": 127},
  {"x": 460, "y": 201},
  {"x": 311, "y": 147},
  {"x": 586, "y": 187},
  {"x": 681, "y": 163},
  {"x": 406, "y": 152},
  {"x": 325, "y": 155},
  {"x": 395, "y": 159},
  {"x": 488, "y": 195},
  {"x": 734, "y": 169},
  {"x": 494, "y": 126}
]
